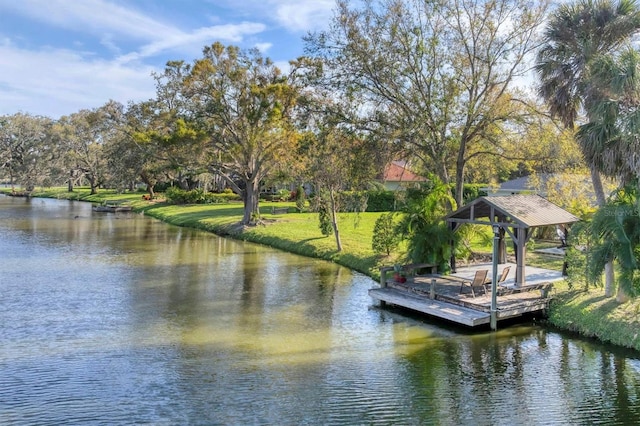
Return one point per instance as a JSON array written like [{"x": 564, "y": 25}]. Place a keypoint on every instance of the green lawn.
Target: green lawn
[{"x": 585, "y": 312}]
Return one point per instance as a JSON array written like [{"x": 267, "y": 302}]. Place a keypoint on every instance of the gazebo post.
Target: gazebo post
[
  {"x": 502, "y": 248},
  {"x": 521, "y": 245},
  {"x": 494, "y": 279},
  {"x": 452, "y": 258}
]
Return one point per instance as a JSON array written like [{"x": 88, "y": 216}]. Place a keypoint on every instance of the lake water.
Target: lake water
[{"x": 121, "y": 319}]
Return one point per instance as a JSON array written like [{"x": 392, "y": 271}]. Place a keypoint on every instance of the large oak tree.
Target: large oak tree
[
  {"x": 26, "y": 149},
  {"x": 246, "y": 105},
  {"x": 436, "y": 76}
]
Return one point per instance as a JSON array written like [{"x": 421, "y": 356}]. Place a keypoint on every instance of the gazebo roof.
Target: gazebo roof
[{"x": 517, "y": 211}]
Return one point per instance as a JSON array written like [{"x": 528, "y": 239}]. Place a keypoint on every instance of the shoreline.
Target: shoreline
[{"x": 585, "y": 313}]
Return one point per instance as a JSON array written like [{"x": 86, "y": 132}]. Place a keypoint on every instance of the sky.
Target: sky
[{"x": 58, "y": 57}]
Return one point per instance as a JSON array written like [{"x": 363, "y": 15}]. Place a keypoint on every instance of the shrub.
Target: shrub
[
  {"x": 381, "y": 201},
  {"x": 284, "y": 195},
  {"x": 324, "y": 217},
  {"x": 176, "y": 195},
  {"x": 471, "y": 191}
]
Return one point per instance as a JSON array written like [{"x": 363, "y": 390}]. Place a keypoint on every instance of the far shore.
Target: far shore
[{"x": 587, "y": 313}]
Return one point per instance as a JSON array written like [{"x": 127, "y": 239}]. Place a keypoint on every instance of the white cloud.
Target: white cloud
[
  {"x": 91, "y": 16},
  {"x": 60, "y": 82},
  {"x": 108, "y": 21},
  {"x": 116, "y": 47},
  {"x": 303, "y": 15},
  {"x": 263, "y": 47},
  {"x": 194, "y": 41},
  {"x": 297, "y": 16}
]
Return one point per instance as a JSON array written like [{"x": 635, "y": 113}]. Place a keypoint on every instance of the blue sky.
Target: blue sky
[{"x": 60, "y": 56}]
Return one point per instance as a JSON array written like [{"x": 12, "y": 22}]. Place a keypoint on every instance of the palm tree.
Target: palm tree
[
  {"x": 616, "y": 227},
  {"x": 613, "y": 132},
  {"x": 424, "y": 227},
  {"x": 575, "y": 37}
]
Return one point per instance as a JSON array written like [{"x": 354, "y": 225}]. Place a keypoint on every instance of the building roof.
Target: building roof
[
  {"x": 538, "y": 183},
  {"x": 398, "y": 172},
  {"x": 517, "y": 211}
]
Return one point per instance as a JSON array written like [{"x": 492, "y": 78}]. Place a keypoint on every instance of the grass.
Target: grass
[
  {"x": 591, "y": 314},
  {"x": 588, "y": 313}
]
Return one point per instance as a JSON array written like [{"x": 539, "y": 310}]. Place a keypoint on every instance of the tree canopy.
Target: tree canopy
[{"x": 436, "y": 78}]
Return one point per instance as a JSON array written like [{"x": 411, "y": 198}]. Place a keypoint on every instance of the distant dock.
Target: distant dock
[{"x": 112, "y": 207}]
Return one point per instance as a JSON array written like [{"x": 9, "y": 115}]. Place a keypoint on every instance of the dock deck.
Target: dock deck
[{"x": 439, "y": 296}]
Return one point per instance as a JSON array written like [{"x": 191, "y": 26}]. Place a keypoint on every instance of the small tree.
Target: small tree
[
  {"x": 300, "y": 198},
  {"x": 385, "y": 237}
]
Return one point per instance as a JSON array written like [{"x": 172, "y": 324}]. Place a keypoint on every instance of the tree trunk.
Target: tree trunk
[
  {"x": 94, "y": 185},
  {"x": 460, "y": 163},
  {"x": 609, "y": 275},
  {"x": 251, "y": 199},
  {"x": 334, "y": 221}
]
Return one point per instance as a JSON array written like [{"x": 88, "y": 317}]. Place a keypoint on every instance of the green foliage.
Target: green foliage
[
  {"x": 353, "y": 201},
  {"x": 176, "y": 195},
  {"x": 381, "y": 201},
  {"x": 580, "y": 240},
  {"x": 423, "y": 225},
  {"x": 615, "y": 229},
  {"x": 466, "y": 234},
  {"x": 471, "y": 191},
  {"x": 385, "y": 237},
  {"x": 324, "y": 217},
  {"x": 284, "y": 195},
  {"x": 300, "y": 197}
]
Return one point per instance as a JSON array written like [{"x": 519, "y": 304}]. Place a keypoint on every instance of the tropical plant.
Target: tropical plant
[
  {"x": 616, "y": 232},
  {"x": 613, "y": 131},
  {"x": 423, "y": 225}
]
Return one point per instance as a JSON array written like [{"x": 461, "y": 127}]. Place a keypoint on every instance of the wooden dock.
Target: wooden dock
[
  {"x": 112, "y": 207},
  {"x": 439, "y": 296}
]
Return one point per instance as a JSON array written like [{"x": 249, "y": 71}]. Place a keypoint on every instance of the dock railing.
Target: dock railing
[{"x": 410, "y": 270}]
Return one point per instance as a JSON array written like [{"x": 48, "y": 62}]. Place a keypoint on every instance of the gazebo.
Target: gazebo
[{"x": 512, "y": 214}]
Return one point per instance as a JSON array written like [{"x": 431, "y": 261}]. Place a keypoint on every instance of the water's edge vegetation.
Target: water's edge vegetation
[{"x": 588, "y": 313}]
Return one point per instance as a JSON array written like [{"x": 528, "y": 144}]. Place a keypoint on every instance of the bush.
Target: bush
[
  {"x": 324, "y": 217},
  {"x": 471, "y": 191},
  {"x": 176, "y": 195},
  {"x": 381, "y": 201},
  {"x": 284, "y": 195},
  {"x": 300, "y": 198}
]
